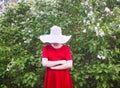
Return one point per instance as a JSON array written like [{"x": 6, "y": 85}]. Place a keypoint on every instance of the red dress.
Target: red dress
[{"x": 57, "y": 78}]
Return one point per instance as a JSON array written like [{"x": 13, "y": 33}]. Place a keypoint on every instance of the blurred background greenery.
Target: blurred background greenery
[{"x": 95, "y": 44}]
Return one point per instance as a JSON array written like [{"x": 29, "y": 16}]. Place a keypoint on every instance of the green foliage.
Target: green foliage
[{"x": 95, "y": 44}]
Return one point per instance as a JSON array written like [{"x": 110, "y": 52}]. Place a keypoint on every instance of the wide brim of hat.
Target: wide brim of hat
[{"x": 54, "y": 38}]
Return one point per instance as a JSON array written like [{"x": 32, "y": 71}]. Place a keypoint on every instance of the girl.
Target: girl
[{"x": 57, "y": 59}]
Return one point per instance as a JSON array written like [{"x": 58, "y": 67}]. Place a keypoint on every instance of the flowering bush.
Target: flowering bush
[{"x": 95, "y": 44}]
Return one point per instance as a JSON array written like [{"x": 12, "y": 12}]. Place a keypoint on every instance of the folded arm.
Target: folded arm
[
  {"x": 47, "y": 63},
  {"x": 68, "y": 64}
]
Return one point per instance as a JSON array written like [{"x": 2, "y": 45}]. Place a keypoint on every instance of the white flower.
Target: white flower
[
  {"x": 27, "y": 19},
  {"x": 98, "y": 24},
  {"x": 119, "y": 25},
  {"x": 90, "y": 14},
  {"x": 84, "y": 31},
  {"x": 101, "y": 33},
  {"x": 103, "y": 57},
  {"x": 87, "y": 22},
  {"x": 84, "y": 21},
  {"x": 42, "y": 13},
  {"x": 27, "y": 41},
  {"x": 29, "y": 31},
  {"x": 107, "y": 9},
  {"x": 85, "y": 3},
  {"x": 7, "y": 69},
  {"x": 100, "y": 57},
  {"x": 33, "y": 11},
  {"x": 10, "y": 65},
  {"x": 96, "y": 30}
]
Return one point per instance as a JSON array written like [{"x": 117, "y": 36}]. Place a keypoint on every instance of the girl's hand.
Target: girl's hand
[
  {"x": 62, "y": 62},
  {"x": 66, "y": 65}
]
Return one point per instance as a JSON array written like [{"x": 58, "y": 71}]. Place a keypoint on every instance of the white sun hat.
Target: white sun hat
[{"x": 55, "y": 36}]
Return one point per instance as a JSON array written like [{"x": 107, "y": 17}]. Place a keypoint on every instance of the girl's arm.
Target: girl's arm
[
  {"x": 47, "y": 63},
  {"x": 68, "y": 64}
]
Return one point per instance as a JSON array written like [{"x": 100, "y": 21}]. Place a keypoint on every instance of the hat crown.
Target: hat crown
[
  {"x": 55, "y": 30},
  {"x": 55, "y": 36}
]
